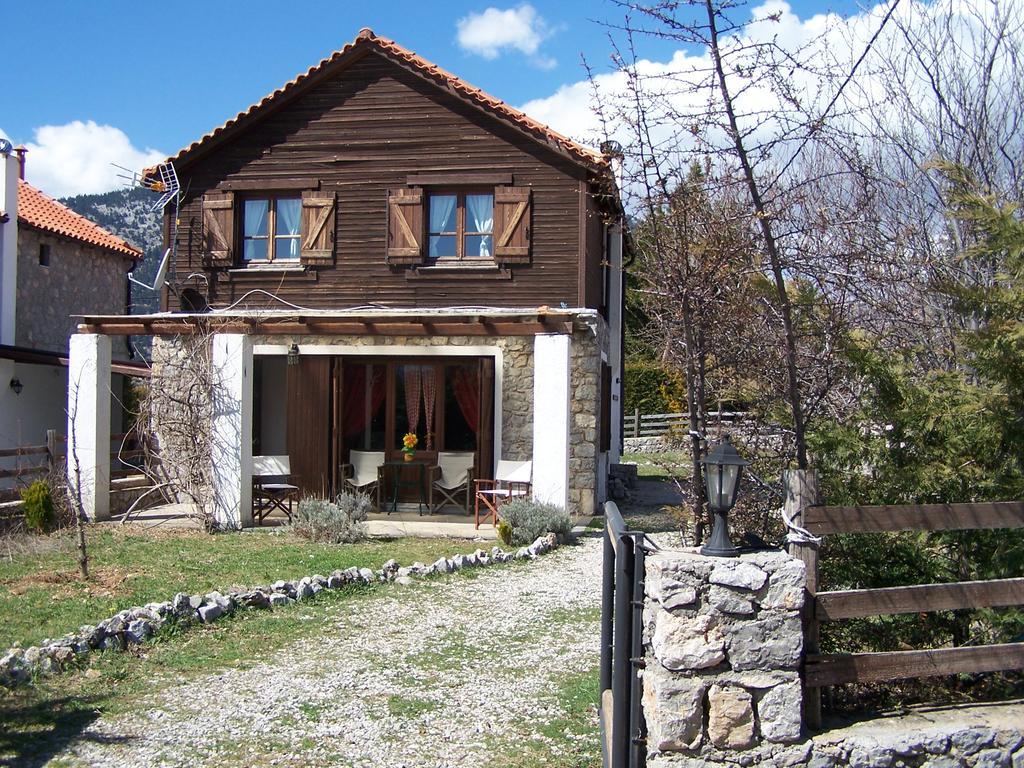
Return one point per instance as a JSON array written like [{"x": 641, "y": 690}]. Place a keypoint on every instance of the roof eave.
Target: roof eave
[
  {"x": 129, "y": 251},
  {"x": 363, "y": 45}
]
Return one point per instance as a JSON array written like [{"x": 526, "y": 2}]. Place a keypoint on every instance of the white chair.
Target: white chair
[
  {"x": 512, "y": 480},
  {"x": 362, "y": 472},
  {"x": 270, "y": 487},
  {"x": 454, "y": 477}
]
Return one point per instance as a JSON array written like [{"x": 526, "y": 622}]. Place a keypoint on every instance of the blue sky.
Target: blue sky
[{"x": 164, "y": 74}]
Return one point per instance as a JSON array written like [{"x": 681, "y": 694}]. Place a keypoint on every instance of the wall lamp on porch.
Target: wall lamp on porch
[
  {"x": 293, "y": 354},
  {"x": 16, "y": 385},
  {"x": 722, "y": 469}
]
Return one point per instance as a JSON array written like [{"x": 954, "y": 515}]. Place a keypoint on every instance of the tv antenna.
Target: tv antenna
[
  {"x": 161, "y": 275},
  {"x": 162, "y": 179}
]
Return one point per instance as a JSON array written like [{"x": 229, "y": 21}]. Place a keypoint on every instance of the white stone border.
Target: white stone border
[{"x": 135, "y": 625}]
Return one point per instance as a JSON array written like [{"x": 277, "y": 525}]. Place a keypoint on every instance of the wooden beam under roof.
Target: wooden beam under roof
[{"x": 526, "y": 324}]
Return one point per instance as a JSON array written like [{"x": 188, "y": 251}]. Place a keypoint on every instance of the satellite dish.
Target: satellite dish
[
  {"x": 193, "y": 301},
  {"x": 161, "y": 275}
]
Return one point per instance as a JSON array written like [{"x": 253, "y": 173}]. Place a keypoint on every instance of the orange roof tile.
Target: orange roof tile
[
  {"x": 367, "y": 39},
  {"x": 41, "y": 211}
]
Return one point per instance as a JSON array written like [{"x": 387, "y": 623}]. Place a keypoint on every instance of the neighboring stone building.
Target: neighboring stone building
[{"x": 55, "y": 264}]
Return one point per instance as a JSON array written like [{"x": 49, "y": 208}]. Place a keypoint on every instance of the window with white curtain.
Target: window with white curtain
[
  {"x": 270, "y": 229},
  {"x": 460, "y": 225}
]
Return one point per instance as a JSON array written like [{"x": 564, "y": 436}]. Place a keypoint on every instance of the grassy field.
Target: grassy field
[
  {"x": 41, "y": 595},
  {"x": 41, "y": 719},
  {"x": 659, "y": 464}
]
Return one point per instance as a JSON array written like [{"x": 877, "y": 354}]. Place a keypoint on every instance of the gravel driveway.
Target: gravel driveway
[{"x": 455, "y": 672}]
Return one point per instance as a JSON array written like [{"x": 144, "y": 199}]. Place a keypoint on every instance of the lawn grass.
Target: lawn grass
[
  {"x": 667, "y": 464},
  {"x": 570, "y": 739},
  {"x": 41, "y": 595},
  {"x": 41, "y": 719}
]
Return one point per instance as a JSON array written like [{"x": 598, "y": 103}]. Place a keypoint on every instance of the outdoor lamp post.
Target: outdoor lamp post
[{"x": 722, "y": 469}]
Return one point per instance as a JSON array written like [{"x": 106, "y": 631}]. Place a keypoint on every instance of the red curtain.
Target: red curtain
[
  {"x": 465, "y": 385},
  {"x": 413, "y": 392},
  {"x": 429, "y": 399},
  {"x": 357, "y": 417}
]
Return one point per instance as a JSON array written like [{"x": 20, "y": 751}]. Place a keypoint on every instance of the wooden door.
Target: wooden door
[{"x": 309, "y": 424}]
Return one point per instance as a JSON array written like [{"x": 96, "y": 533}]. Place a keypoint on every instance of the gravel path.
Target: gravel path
[{"x": 442, "y": 673}]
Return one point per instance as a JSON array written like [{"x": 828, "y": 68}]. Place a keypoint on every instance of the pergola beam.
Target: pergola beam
[{"x": 305, "y": 325}]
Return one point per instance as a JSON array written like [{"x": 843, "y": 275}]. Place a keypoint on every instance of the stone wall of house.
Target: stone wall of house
[
  {"x": 80, "y": 279},
  {"x": 517, "y": 357},
  {"x": 178, "y": 407},
  {"x": 584, "y": 437}
]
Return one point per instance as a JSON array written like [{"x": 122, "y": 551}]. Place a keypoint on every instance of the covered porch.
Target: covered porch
[{"x": 316, "y": 387}]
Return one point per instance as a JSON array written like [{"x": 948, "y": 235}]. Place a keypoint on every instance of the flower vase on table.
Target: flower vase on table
[{"x": 409, "y": 443}]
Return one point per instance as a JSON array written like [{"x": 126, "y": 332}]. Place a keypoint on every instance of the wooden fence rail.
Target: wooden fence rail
[
  {"x": 45, "y": 458},
  {"x": 833, "y": 669},
  {"x": 659, "y": 424}
]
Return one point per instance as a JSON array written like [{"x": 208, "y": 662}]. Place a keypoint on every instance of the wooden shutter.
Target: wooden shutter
[
  {"x": 317, "y": 228},
  {"x": 405, "y": 226},
  {"x": 219, "y": 228},
  {"x": 512, "y": 225}
]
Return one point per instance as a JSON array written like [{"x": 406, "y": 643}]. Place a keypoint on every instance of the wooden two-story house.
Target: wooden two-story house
[{"x": 378, "y": 247}]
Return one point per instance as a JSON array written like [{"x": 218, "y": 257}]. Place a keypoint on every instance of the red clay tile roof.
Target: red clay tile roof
[
  {"x": 367, "y": 39},
  {"x": 41, "y": 211}
]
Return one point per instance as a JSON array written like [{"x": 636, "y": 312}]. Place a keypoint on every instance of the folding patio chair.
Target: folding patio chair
[
  {"x": 271, "y": 488},
  {"x": 454, "y": 478},
  {"x": 362, "y": 473},
  {"x": 512, "y": 480}
]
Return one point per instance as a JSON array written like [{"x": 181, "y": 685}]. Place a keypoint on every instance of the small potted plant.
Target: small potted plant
[{"x": 409, "y": 443}]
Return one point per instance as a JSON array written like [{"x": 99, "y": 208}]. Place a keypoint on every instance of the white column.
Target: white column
[
  {"x": 8, "y": 246},
  {"x": 89, "y": 423},
  {"x": 231, "y": 431},
  {"x": 551, "y": 354}
]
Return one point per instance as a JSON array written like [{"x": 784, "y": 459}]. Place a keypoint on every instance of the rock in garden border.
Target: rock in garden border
[{"x": 133, "y": 626}]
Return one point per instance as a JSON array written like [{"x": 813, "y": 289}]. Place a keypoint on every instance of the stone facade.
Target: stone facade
[
  {"x": 584, "y": 424},
  {"x": 723, "y": 642},
  {"x": 79, "y": 279},
  {"x": 516, "y": 396}
]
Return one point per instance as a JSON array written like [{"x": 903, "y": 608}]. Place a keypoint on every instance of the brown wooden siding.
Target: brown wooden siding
[{"x": 365, "y": 131}]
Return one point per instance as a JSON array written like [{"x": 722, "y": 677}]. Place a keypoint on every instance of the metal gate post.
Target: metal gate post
[
  {"x": 607, "y": 610},
  {"x": 637, "y": 724},
  {"x": 623, "y": 670}
]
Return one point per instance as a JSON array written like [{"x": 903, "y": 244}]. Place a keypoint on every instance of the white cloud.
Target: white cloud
[
  {"x": 676, "y": 89},
  {"x": 493, "y": 32},
  {"x": 75, "y": 158}
]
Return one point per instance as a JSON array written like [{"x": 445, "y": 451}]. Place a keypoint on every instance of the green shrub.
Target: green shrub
[
  {"x": 339, "y": 522},
  {"x": 524, "y": 520},
  {"x": 505, "y": 533},
  {"x": 38, "y": 507},
  {"x": 653, "y": 388}
]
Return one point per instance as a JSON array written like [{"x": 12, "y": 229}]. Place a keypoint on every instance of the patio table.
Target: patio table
[{"x": 400, "y": 481}]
